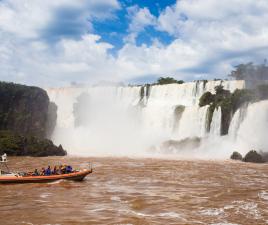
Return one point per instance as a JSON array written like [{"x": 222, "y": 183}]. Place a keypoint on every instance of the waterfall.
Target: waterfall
[
  {"x": 129, "y": 120},
  {"x": 215, "y": 127},
  {"x": 252, "y": 132},
  {"x": 248, "y": 130},
  {"x": 236, "y": 121},
  {"x": 192, "y": 123}
]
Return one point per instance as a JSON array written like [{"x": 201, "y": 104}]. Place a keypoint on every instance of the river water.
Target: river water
[{"x": 128, "y": 191}]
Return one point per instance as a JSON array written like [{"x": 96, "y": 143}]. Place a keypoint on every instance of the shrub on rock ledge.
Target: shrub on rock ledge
[{"x": 206, "y": 99}]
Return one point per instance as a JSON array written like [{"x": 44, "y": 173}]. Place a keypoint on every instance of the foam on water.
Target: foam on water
[
  {"x": 263, "y": 195},
  {"x": 212, "y": 212},
  {"x": 170, "y": 215},
  {"x": 224, "y": 224}
]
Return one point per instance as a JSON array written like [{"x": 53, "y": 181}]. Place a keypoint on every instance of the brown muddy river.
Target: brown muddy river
[{"x": 140, "y": 191}]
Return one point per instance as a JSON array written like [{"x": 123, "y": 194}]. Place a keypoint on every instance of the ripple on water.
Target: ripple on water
[
  {"x": 247, "y": 209},
  {"x": 263, "y": 195},
  {"x": 212, "y": 212},
  {"x": 45, "y": 195},
  {"x": 224, "y": 224},
  {"x": 171, "y": 215},
  {"x": 141, "y": 191},
  {"x": 116, "y": 198}
]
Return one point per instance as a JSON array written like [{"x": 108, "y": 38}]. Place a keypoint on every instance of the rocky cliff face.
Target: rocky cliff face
[
  {"x": 26, "y": 112},
  {"x": 23, "y": 109}
]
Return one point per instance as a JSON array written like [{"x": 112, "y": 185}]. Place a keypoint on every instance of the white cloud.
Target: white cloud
[
  {"x": 214, "y": 22},
  {"x": 209, "y": 36},
  {"x": 69, "y": 60},
  {"x": 139, "y": 19},
  {"x": 227, "y": 31},
  {"x": 26, "y": 18}
]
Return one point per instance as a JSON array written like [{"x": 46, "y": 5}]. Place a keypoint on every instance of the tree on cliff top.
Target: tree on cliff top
[
  {"x": 168, "y": 80},
  {"x": 250, "y": 71}
]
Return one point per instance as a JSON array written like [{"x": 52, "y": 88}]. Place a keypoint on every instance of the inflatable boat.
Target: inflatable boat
[
  {"x": 7, "y": 177},
  {"x": 17, "y": 178}
]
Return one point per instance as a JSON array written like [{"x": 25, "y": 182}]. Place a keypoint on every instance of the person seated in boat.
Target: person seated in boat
[
  {"x": 29, "y": 174},
  {"x": 55, "y": 170},
  {"x": 36, "y": 173},
  {"x": 60, "y": 169},
  {"x": 69, "y": 169},
  {"x": 48, "y": 171},
  {"x": 43, "y": 171},
  {"x": 63, "y": 169}
]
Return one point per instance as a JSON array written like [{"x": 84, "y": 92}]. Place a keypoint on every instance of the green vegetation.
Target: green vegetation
[
  {"x": 18, "y": 145},
  {"x": 229, "y": 103},
  {"x": 240, "y": 97},
  {"x": 168, "y": 80},
  {"x": 250, "y": 71},
  {"x": 222, "y": 99},
  {"x": 206, "y": 99},
  {"x": 262, "y": 92}
]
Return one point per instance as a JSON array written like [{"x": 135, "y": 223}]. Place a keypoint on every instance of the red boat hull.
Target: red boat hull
[{"x": 76, "y": 176}]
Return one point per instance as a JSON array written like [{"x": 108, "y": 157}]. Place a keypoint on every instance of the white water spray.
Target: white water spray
[{"x": 119, "y": 121}]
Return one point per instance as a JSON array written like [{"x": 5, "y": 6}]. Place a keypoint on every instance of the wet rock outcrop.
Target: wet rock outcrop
[
  {"x": 174, "y": 146},
  {"x": 254, "y": 157},
  {"x": 236, "y": 156},
  {"x": 51, "y": 119}
]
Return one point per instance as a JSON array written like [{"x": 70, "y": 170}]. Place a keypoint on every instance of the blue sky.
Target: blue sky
[
  {"x": 67, "y": 23},
  {"x": 106, "y": 29},
  {"x": 53, "y": 43}
]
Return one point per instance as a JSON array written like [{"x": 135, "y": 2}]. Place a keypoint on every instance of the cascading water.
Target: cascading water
[
  {"x": 129, "y": 120},
  {"x": 215, "y": 127},
  {"x": 253, "y": 129},
  {"x": 237, "y": 119}
]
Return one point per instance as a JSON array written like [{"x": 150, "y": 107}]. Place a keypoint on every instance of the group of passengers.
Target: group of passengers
[{"x": 62, "y": 169}]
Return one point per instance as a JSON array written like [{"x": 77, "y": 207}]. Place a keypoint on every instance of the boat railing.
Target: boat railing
[
  {"x": 90, "y": 166},
  {"x": 3, "y": 162}
]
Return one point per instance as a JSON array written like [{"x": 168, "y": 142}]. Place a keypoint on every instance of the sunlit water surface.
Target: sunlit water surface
[{"x": 140, "y": 191}]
